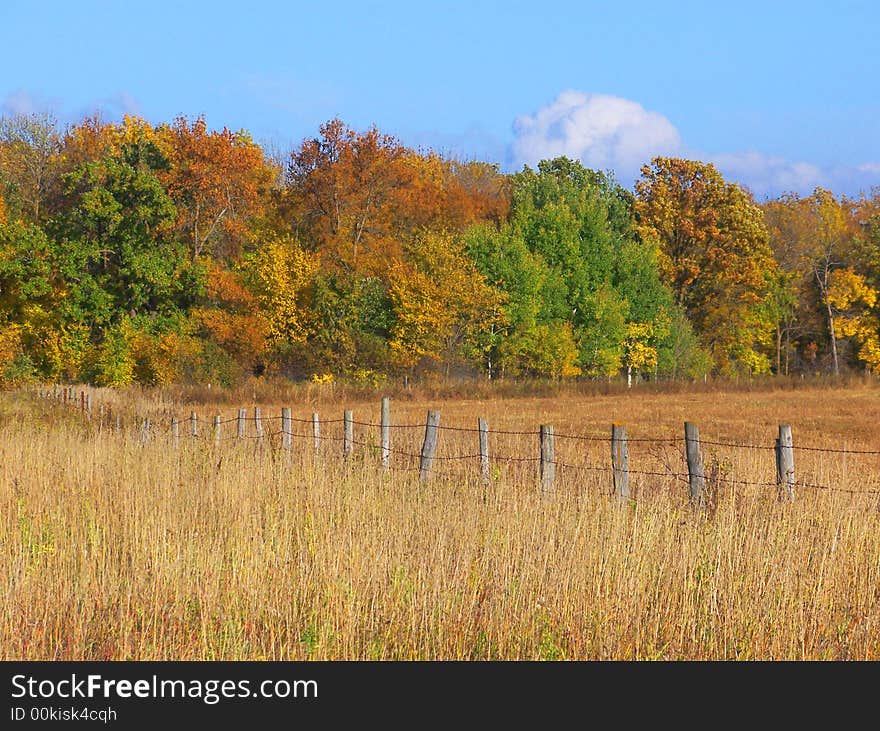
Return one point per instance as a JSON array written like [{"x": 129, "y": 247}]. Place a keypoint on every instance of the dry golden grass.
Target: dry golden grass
[{"x": 113, "y": 549}]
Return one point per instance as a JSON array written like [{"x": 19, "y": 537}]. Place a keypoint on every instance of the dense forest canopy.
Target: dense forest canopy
[{"x": 176, "y": 253}]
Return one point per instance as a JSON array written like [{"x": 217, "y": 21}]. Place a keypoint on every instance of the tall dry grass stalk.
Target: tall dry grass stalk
[{"x": 114, "y": 549}]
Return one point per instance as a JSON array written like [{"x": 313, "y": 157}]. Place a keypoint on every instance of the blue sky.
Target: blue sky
[{"x": 781, "y": 95}]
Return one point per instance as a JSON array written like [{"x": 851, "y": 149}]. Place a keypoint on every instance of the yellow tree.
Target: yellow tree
[
  {"x": 851, "y": 299},
  {"x": 713, "y": 253},
  {"x": 280, "y": 273},
  {"x": 442, "y": 306},
  {"x": 639, "y": 354},
  {"x": 832, "y": 230},
  {"x": 813, "y": 237}
]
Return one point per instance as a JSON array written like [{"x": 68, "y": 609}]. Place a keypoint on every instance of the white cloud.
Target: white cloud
[
  {"x": 600, "y": 130},
  {"x": 605, "y": 132}
]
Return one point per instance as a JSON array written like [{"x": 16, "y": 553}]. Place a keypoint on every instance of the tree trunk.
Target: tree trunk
[
  {"x": 833, "y": 339},
  {"x": 787, "y": 348},
  {"x": 778, "y": 349}
]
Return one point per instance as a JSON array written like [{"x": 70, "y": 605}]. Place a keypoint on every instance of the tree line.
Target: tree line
[{"x": 178, "y": 253}]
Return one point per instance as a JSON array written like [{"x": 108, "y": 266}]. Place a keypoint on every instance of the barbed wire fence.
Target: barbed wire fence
[{"x": 280, "y": 432}]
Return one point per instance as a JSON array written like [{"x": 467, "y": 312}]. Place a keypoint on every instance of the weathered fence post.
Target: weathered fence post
[
  {"x": 316, "y": 431},
  {"x": 429, "y": 446},
  {"x": 286, "y": 430},
  {"x": 82, "y": 402},
  {"x": 386, "y": 432},
  {"x": 88, "y": 405},
  {"x": 217, "y": 430},
  {"x": 118, "y": 426},
  {"x": 175, "y": 433},
  {"x": 258, "y": 425},
  {"x": 483, "y": 427},
  {"x": 548, "y": 457},
  {"x": 620, "y": 461},
  {"x": 347, "y": 433},
  {"x": 242, "y": 415},
  {"x": 696, "y": 478},
  {"x": 785, "y": 463},
  {"x": 145, "y": 431},
  {"x": 193, "y": 424}
]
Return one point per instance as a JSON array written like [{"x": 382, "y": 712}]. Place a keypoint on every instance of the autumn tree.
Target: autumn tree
[
  {"x": 280, "y": 274},
  {"x": 218, "y": 180},
  {"x": 29, "y": 145},
  {"x": 814, "y": 238},
  {"x": 232, "y": 326},
  {"x": 824, "y": 252},
  {"x": 428, "y": 322},
  {"x": 713, "y": 253},
  {"x": 346, "y": 183},
  {"x": 357, "y": 197}
]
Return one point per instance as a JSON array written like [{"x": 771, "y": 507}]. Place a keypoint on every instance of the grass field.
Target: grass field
[{"x": 115, "y": 549}]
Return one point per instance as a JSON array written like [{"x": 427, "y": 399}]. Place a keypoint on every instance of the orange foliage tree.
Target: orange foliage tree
[
  {"x": 231, "y": 319},
  {"x": 219, "y": 181},
  {"x": 359, "y": 197}
]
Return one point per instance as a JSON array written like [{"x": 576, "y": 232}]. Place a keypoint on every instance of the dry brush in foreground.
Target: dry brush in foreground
[{"x": 112, "y": 549}]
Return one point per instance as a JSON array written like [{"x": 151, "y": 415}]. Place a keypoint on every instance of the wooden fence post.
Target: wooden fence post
[
  {"x": 620, "y": 461},
  {"x": 216, "y": 430},
  {"x": 145, "y": 431},
  {"x": 429, "y": 446},
  {"x": 548, "y": 457},
  {"x": 316, "y": 431},
  {"x": 483, "y": 427},
  {"x": 175, "y": 433},
  {"x": 258, "y": 425},
  {"x": 118, "y": 422},
  {"x": 347, "y": 433},
  {"x": 193, "y": 424},
  {"x": 88, "y": 405},
  {"x": 242, "y": 415},
  {"x": 696, "y": 478},
  {"x": 82, "y": 401},
  {"x": 386, "y": 432},
  {"x": 785, "y": 463},
  {"x": 286, "y": 430}
]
